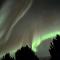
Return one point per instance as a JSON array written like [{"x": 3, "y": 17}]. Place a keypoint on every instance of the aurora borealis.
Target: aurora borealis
[
  {"x": 11, "y": 12},
  {"x": 38, "y": 40},
  {"x": 29, "y": 22}
]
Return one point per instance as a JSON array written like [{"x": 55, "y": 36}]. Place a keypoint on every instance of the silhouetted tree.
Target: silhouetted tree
[
  {"x": 25, "y": 54},
  {"x": 7, "y": 57},
  {"x": 55, "y": 48}
]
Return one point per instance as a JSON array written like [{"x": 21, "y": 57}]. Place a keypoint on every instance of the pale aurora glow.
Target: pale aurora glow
[{"x": 38, "y": 40}]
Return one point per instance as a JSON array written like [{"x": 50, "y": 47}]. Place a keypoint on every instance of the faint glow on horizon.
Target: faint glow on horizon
[{"x": 38, "y": 40}]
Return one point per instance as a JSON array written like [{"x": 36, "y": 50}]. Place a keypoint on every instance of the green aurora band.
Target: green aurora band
[{"x": 38, "y": 40}]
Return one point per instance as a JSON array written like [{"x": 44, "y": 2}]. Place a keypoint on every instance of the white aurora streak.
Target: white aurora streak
[{"x": 6, "y": 11}]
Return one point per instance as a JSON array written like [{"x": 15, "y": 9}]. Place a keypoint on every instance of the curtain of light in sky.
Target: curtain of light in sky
[{"x": 38, "y": 40}]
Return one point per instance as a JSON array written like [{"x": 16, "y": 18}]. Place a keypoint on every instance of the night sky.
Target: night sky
[{"x": 24, "y": 22}]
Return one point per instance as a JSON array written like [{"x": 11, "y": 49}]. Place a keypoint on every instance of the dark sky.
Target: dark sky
[{"x": 42, "y": 18}]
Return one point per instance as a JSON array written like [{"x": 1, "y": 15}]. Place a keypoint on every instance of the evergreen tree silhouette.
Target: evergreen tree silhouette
[
  {"x": 25, "y": 54},
  {"x": 7, "y": 57},
  {"x": 55, "y": 48}
]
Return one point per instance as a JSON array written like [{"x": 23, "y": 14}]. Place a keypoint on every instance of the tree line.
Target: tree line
[{"x": 25, "y": 53}]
